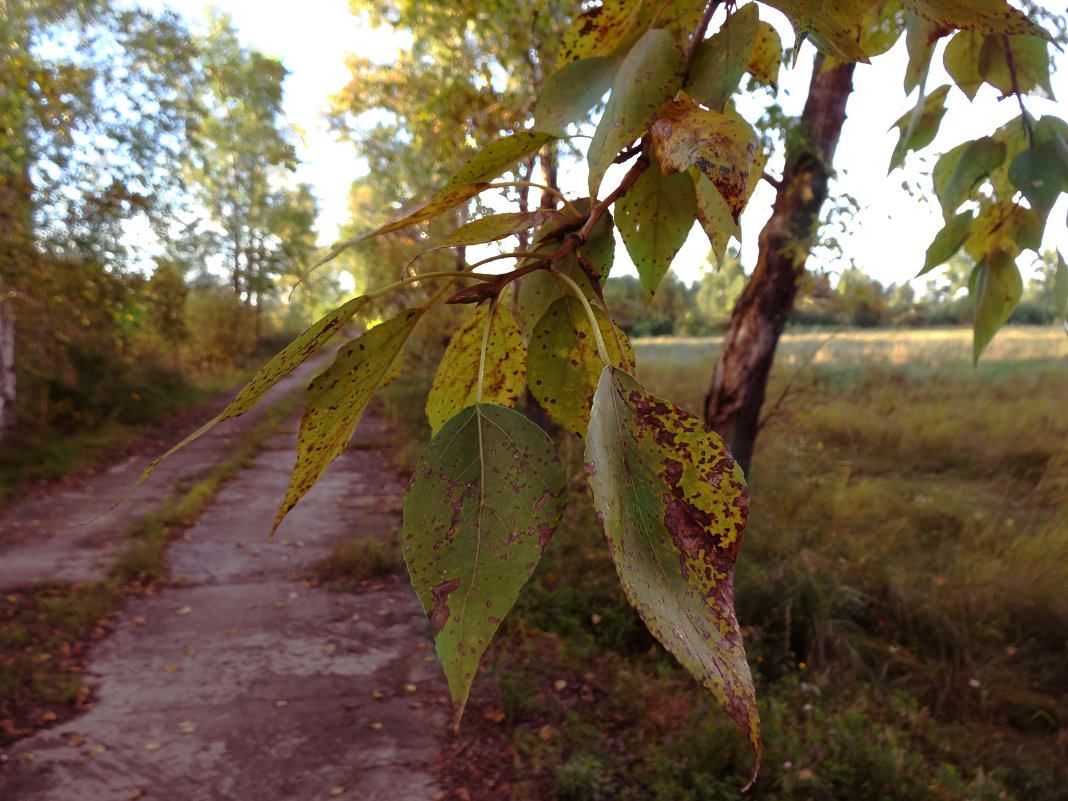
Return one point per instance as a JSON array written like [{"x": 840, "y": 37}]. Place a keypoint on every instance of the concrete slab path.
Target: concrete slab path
[{"x": 241, "y": 681}]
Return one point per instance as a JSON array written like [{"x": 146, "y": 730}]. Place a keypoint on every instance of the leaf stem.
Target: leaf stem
[
  {"x": 485, "y": 346},
  {"x": 414, "y": 279},
  {"x": 602, "y": 350},
  {"x": 544, "y": 188}
]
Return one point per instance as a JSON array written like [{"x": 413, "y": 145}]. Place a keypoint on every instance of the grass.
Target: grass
[
  {"x": 47, "y": 630},
  {"x": 900, "y": 587},
  {"x": 356, "y": 561}
]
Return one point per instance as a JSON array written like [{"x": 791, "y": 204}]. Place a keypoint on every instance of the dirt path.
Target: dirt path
[{"x": 241, "y": 681}]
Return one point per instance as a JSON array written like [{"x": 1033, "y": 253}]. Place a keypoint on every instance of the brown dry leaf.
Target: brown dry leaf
[
  {"x": 74, "y": 740},
  {"x": 138, "y": 793},
  {"x": 185, "y": 610},
  {"x": 171, "y": 668},
  {"x": 153, "y": 746},
  {"x": 96, "y": 750},
  {"x": 376, "y": 726},
  {"x": 560, "y": 685}
]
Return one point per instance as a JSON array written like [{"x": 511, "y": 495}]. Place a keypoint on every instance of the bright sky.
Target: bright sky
[{"x": 888, "y": 237}]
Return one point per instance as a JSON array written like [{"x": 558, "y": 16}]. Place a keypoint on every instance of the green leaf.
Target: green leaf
[
  {"x": 996, "y": 288},
  {"x": 574, "y": 89},
  {"x": 947, "y": 241},
  {"x": 288, "y": 359},
  {"x": 455, "y": 384},
  {"x": 714, "y": 215},
  {"x": 1060, "y": 287},
  {"x": 919, "y": 134},
  {"x": 973, "y": 164},
  {"x": 483, "y": 504},
  {"x": 474, "y": 177},
  {"x": 673, "y": 504},
  {"x": 1041, "y": 171},
  {"x": 1030, "y": 63},
  {"x": 720, "y": 62},
  {"x": 1016, "y": 136},
  {"x": 497, "y": 226},
  {"x": 654, "y": 218},
  {"x": 599, "y": 31},
  {"x": 646, "y": 81},
  {"x": 766, "y": 58},
  {"x": 721, "y": 147},
  {"x": 921, "y": 36},
  {"x": 881, "y": 27},
  {"x": 563, "y": 364},
  {"x": 337, "y": 397},
  {"x": 961, "y": 60},
  {"x": 990, "y": 16}
]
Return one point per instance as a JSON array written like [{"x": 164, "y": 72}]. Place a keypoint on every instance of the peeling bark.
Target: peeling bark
[{"x": 739, "y": 383}]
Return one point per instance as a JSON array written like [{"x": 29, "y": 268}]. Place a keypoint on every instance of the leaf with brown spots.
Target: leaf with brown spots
[
  {"x": 995, "y": 286},
  {"x": 643, "y": 86},
  {"x": 497, "y": 226},
  {"x": 286, "y": 361},
  {"x": 721, "y": 61},
  {"x": 599, "y": 30},
  {"x": 483, "y": 503},
  {"x": 456, "y": 381},
  {"x": 834, "y": 26},
  {"x": 766, "y": 58},
  {"x": 992, "y": 16},
  {"x": 337, "y": 397},
  {"x": 654, "y": 218},
  {"x": 722, "y": 147},
  {"x": 673, "y": 504},
  {"x": 563, "y": 364}
]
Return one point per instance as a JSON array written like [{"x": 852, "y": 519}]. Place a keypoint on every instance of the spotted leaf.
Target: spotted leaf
[
  {"x": 337, "y": 397},
  {"x": 563, "y": 364},
  {"x": 721, "y": 61},
  {"x": 482, "y": 505},
  {"x": 600, "y": 30},
  {"x": 673, "y": 504},
  {"x": 456, "y": 381},
  {"x": 995, "y": 286}
]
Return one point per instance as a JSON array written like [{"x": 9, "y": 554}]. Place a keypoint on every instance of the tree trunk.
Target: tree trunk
[
  {"x": 733, "y": 404},
  {"x": 15, "y": 190},
  {"x": 7, "y": 363}
]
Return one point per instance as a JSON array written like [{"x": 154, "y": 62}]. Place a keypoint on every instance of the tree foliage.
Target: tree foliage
[{"x": 673, "y": 502}]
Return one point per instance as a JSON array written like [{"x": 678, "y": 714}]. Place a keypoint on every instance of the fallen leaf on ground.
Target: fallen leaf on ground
[
  {"x": 545, "y": 733},
  {"x": 410, "y": 688},
  {"x": 96, "y": 750},
  {"x": 560, "y": 685},
  {"x": 153, "y": 746},
  {"x": 185, "y": 610},
  {"x": 376, "y": 726},
  {"x": 74, "y": 740},
  {"x": 171, "y": 668},
  {"x": 281, "y": 704},
  {"x": 337, "y": 790}
]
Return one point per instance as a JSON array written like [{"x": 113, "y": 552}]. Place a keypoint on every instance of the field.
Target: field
[{"x": 901, "y": 587}]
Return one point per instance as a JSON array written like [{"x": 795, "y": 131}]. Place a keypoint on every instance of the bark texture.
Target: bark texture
[
  {"x": 14, "y": 235},
  {"x": 739, "y": 383}
]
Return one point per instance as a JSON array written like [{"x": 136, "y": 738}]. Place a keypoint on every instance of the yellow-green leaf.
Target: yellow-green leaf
[
  {"x": 288, "y": 359},
  {"x": 961, "y": 60},
  {"x": 337, "y": 397},
  {"x": 563, "y": 364},
  {"x": 834, "y": 26},
  {"x": 1004, "y": 227},
  {"x": 455, "y": 384},
  {"x": 654, "y": 218},
  {"x": 720, "y": 62},
  {"x": 973, "y": 164},
  {"x": 714, "y": 215},
  {"x": 919, "y": 133},
  {"x": 921, "y": 36},
  {"x": 881, "y": 27},
  {"x": 1030, "y": 64},
  {"x": 497, "y": 226},
  {"x": 1041, "y": 171},
  {"x": 1060, "y": 288},
  {"x": 599, "y": 30},
  {"x": 991, "y": 16},
  {"x": 483, "y": 503},
  {"x": 646, "y": 81},
  {"x": 721, "y": 147},
  {"x": 995, "y": 287},
  {"x": 766, "y": 58},
  {"x": 673, "y": 504}
]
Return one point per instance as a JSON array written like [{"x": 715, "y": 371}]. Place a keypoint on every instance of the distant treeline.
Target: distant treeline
[{"x": 850, "y": 299}]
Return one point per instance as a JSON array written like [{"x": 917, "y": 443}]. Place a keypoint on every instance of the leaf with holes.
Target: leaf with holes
[
  {"x": 574, "y": 89},
  {"x": 720, "y": 62},
  {"x": 482, "y": 505},
  {"x": 947, "y": 241},
  {"x": 919, "y": 134},
  {"x": 995, "y": 287},
  {"x": 563, "y": 364},
  {"x": 646, "y": 81},
  {"x": 600, "y": 30},
  {"x": 497, "y": 226},
  {"x": 722, "y": 147},
  {"x": 337, "y": 397},
  {"x": 286, "y": 361},
  {"x": 673, "y": 504},
  {"x": 455, "y": 384},
  {"x": 654, "y": 218}
]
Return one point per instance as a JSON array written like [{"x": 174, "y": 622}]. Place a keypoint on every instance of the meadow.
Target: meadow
[{"x": 901, "y": 588}]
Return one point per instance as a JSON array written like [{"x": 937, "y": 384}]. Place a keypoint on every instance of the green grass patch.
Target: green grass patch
[{"x": 357, "y": 561}]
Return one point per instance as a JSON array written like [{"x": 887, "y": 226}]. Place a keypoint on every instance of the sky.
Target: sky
[{"x": 887, "y": 238}]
